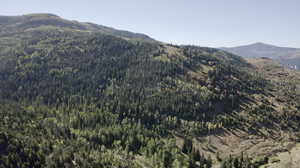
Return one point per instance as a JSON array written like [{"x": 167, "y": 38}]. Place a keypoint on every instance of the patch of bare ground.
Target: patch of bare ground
[{"x": 234, "y": 143}]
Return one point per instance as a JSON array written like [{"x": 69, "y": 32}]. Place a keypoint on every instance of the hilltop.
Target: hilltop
[
  {"x": 12, "y": 25},
  {"x": 77, "y": 95}
]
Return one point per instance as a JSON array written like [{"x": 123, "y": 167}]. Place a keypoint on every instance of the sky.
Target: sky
[{"x": 212, "y": 23}]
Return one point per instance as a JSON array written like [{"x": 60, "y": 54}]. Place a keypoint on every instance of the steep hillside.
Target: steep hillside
[
  {"x": 289, "y": 57},
  {"x": 72, "y": 97}
]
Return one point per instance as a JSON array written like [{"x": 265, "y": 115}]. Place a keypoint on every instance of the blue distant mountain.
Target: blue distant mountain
[{"x": 289, "y": 57}]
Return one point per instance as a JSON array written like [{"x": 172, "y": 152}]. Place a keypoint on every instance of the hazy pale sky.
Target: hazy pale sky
[{"x": 213, "y": 23}]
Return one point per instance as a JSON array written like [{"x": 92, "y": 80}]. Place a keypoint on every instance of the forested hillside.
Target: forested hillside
[{"x": 72, "y": 96}]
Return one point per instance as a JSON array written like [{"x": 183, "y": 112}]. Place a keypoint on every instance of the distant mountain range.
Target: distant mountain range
[{"x": 289, "y": 57}]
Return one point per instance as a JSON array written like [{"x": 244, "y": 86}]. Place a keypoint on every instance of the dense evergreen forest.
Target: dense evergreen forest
[{"x": 78, "y": 95}]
